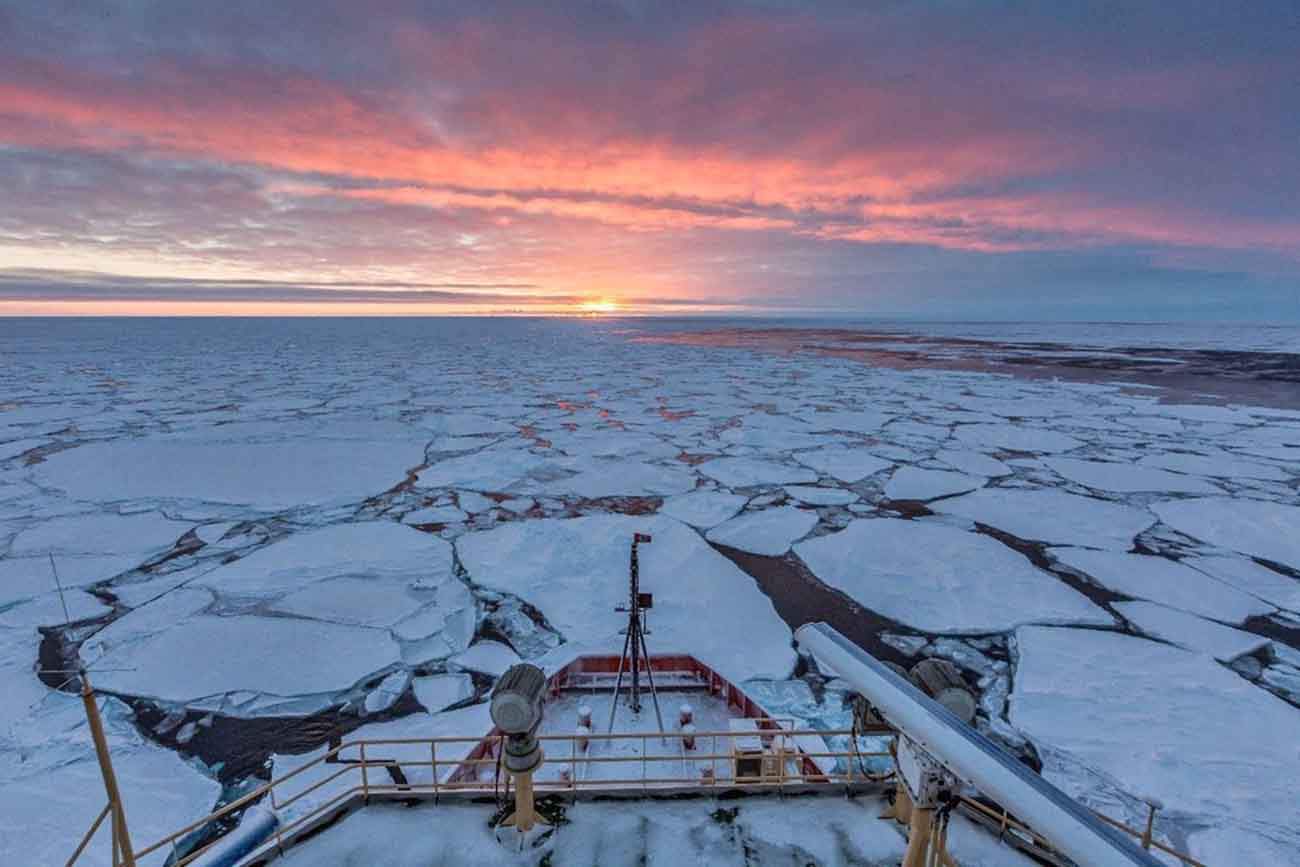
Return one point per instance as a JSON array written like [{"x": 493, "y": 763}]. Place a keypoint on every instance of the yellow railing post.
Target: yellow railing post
[
  {"x": 1151, "y": 822},
  {"x": 433, "y": 761},
  {"x": 365, "y": 775}
]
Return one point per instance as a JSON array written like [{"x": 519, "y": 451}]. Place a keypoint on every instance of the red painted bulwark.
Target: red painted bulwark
[{"x": 666, "y": 662}]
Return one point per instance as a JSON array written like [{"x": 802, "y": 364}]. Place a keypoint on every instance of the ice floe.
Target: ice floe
[
  {"x": 1267, "y": 530},
  {"x": 749, "y": 472},
  {"x": 1162, "y": 722},
  {"x": 766, "y": 531},
  {"x": 370, "y": 549},
  {"x": 492, "y": 469},
  {"x": 1189, "y": 631},
  {"x": 1014, "y": 437},
  {"x": 815, "y": 496},
  {"x": 487, "y": 657},
  {"x": 1044, "y": 515},
  {"x": 575, "y": 571},
  {"x": 1247, "y": 575},
  {"x": 624, "y": 478},
  {"x": 913, "y": 483},
  {"x": 1162, "y": 580},
  {"x": 844, "y": 463},
  {"x": 439, "y": 691},
  {"x": 1128, "y": 478},
  {"x": 704, "y": 508},
  {"x": 276, "y": 656},
  {"x": 941, "y": 579},
  {"x": 50, "y": 800},
  {"x": 973, "y": 463},
  {"x": 267, "y": 476}
]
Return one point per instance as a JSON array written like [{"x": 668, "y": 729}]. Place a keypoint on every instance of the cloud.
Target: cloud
[{"x": 632, "y": 147}]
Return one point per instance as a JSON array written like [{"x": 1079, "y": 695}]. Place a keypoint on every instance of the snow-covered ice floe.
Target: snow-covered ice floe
[
  {"x": 1163, "y": 723},
  {"x": 767, "y": 531},
  {"x": 1165, "y": 581},
  {"x": 1045, "y": 515},
  {"x": 1267, "y": 530},
  {"x": 575, "y": 572},
  {"x": 51, "y": 789},
  {"x": 942, "y": 579},
  {"x": 267, "y": 476},
  {"x": 703, "y": 509}
]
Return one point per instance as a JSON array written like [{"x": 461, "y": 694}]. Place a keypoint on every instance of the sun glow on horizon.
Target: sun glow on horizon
[{"x": 600, "y": 305}]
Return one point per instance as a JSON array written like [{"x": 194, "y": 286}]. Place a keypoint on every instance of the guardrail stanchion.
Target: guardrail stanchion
[
  {"x": 1151, "y": 823},
  {"x": 365, "y": 775},
  {"x": 433, "y": 763}
]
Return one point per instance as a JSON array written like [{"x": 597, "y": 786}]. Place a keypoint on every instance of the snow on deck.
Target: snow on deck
[{"x": 752, "y": 832}]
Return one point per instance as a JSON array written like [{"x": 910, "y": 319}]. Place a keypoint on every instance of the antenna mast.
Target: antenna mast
[
  {"x": 123, "y": 852},
  {"x": 634, "y": 646}
]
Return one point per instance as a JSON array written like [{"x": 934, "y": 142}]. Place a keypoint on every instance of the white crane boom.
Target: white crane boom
[{"x": 1073, "y": 829}]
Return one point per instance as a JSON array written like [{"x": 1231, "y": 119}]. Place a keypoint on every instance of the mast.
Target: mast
[{"x": 634, "y": 646}]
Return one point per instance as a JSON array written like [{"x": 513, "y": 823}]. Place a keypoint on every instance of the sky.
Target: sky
[{"x": 995, "y": 160}]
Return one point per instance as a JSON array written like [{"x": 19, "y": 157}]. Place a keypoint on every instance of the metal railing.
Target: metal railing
[
  {"x": 448, "y": 758},
  {"x": 791, "y": 766}
]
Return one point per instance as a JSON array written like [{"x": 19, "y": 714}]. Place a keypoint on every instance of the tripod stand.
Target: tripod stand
[{"x": 634, "y": 647}]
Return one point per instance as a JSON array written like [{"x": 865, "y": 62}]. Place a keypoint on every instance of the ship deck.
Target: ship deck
[
  {"x": 824, "y": 830},
  {"x": 652, "y": 757}
]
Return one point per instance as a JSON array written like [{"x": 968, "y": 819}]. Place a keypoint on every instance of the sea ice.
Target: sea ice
[
  {"x": 814, "y": 496},
  {"x": 137, "y": 535},
  {"x": 499, "y": 468},
  {"x": 1014, "y": 437},
  {"x": 748, "y": 472},
  {"x": 1273, "y": 587},
  {"x": 435, "y": 515},
  {"x": 911, "y": 483},
  {"x": 703, "y": 509},
  {"x": 267, "y": 476},
  {"x": 371, "y": 549},
  {"x": 353, "y": 601},
  {"x": 941, "y": 579},
  {"x": 853, "y": 421},
  {"x": 1165, "y": 723},
  {"x": 474, "y": 502},
  {"x": 1128, "y": 478},
  {"x": 1046, "y": 515},
  {"x": 1189, "y": 631},
  {"x": 841, "y": 462},
  {"x": 1270, "y": 531},
  {"x": 159, "y": 614},
  {"x": 973, "y": 463},
  {"x": 44, "y": 811},
  {"x": 47, "y": 610},
  {"x": 487, "y": 657},
  {"x": 766, "y": 531},
  {"x": 1216, "y": 464},
  {"x": 439, "y": 691},
  {"x": 466, "y": 424},
  {"x": 279, "y": 656},
  {"x": 25, "y": 577},
  {"x": 623, "y": 478},
  {"x": 1162, "y": 580},
  {"x": 576, "y": 572}
]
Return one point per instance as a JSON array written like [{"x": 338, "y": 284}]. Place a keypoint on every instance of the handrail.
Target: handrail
[{"x": 787, "y": 742}]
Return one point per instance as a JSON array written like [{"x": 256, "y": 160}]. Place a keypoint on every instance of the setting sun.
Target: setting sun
[{"x": 602, "y": 305}]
